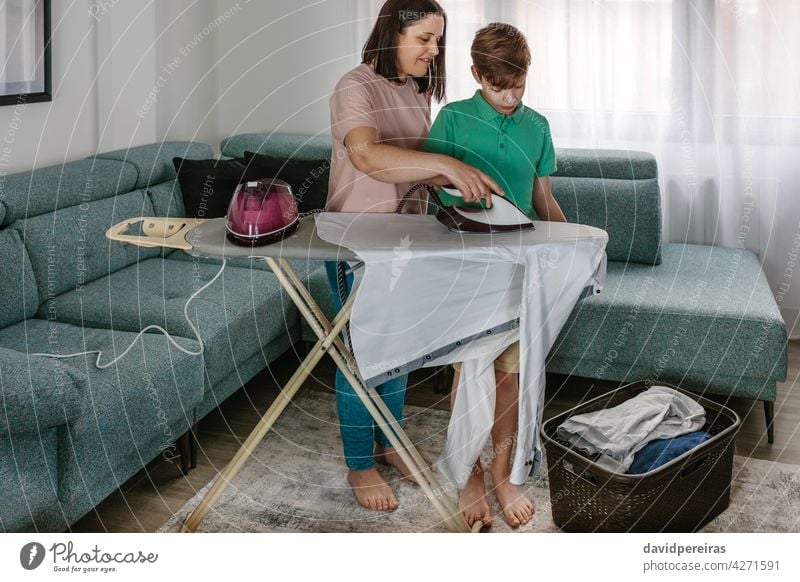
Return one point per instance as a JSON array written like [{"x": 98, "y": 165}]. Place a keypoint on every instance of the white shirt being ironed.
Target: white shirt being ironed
[{"x": 429, "y": 297}]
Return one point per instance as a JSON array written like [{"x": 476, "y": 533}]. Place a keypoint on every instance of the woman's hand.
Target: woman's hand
[{"x": 473, "y": 184}]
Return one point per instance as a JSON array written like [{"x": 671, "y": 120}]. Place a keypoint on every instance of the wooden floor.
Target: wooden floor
[{"x": 151, "y": 497}]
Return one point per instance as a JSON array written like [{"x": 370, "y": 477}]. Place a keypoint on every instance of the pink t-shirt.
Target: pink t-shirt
[{"x": 402, "y": 117}]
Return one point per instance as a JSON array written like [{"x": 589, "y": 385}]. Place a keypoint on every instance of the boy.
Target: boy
[{"x": 495, "y": 133}]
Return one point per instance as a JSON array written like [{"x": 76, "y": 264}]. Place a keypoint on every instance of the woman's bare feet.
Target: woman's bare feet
[
  {"x": 472, "y": 499},
  {"x": 371, "y": 490},
  {"x": 517, "y": 508},
  {"x": 389, "y": 456}
]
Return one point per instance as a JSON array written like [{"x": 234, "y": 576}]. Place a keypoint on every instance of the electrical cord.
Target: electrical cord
[{"x": 149, "y": 327}]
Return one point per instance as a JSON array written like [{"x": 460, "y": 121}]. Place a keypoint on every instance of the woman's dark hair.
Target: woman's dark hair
[{"x": 381, "y": 47}]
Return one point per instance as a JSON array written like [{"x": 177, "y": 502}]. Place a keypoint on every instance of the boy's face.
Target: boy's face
[{"x": 503, "y": 101}]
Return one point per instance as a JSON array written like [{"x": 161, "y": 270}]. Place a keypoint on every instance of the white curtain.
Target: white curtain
[
  {"x": 710, "y": 87},
  {"x": 19, "y": 58}
]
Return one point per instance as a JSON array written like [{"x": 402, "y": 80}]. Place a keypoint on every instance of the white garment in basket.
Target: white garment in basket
[
  {"x": 429, "y": 297},
  {"x": 616, "y": 434}
]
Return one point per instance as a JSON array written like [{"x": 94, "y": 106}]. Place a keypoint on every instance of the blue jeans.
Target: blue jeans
[{"x": 356, "y": 426}]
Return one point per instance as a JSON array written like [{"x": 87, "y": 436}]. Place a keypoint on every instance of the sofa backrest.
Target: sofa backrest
[
  {"x": 302, "y": 147},
  {"x": 614, "y": 190},
  {"x": 310, "y": 156},
  {"x": 617, "y": 191},
  {"x": 61, "y": 212},
  {"x": 17, "y": 282},
  {"x": 156, "y": 172}
]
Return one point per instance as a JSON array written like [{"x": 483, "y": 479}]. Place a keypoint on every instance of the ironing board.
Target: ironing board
[{"x": 207, "y": 238}]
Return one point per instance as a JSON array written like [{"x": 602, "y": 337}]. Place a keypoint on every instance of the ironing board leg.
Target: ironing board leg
[
  {"x": 370, "y": 398},
  {"x": 266, "y": 422},
  {"x": 345, "y": 353}
]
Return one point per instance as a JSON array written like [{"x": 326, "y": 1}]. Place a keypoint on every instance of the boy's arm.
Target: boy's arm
[{"x": 543, "y": 202}]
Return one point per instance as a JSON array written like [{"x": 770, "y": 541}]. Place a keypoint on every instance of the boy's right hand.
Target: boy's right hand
[{"x": 473, "y": 184}]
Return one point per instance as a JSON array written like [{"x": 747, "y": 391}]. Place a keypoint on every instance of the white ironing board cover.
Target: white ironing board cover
[{"x": 429, "y": 297}]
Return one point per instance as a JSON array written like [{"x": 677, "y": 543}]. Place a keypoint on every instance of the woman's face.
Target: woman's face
[{"x": 418, "y": 45}]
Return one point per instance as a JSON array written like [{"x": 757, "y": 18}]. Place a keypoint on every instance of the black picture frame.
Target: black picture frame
[{"x": 13, "y": 93}]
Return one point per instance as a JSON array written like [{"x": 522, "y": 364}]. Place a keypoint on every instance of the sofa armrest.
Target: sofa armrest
[
  {"x": 617, "y": 191},
  {"x": 38, "y": 393},
  {"x": 606, "y": 164}
]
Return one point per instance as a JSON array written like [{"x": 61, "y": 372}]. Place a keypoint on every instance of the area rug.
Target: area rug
[{"x": 295, "y": 482}]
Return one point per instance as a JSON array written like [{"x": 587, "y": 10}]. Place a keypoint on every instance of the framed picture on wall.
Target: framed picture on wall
[{"x": 24, "y": 51}]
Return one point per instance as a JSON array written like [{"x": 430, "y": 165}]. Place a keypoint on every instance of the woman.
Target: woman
[{"x": 380, "y": 114}]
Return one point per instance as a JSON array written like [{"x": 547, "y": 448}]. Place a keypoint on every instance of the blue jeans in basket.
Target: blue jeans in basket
[{"x": 356, "y": 426}]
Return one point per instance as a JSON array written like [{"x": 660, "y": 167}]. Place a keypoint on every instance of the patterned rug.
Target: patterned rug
[{"x": 295, "y": 482}]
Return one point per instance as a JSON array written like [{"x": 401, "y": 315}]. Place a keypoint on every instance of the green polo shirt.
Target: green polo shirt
[{"x": 513, "y": 150}]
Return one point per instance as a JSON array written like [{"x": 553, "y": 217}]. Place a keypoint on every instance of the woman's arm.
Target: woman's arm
[
  {"x": 387, "y": 163},
  {"x": 543, "y": 202}
]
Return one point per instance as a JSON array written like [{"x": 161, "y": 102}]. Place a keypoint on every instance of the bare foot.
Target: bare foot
[
  {"x": 517, "y": 508},
  {"x": 389, "y": 456},
  {"x": 371, "y": 490},
  {"x": 472, "y": 500}
]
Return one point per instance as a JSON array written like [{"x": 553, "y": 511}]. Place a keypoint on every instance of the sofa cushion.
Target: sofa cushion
[
  {"x": 29, "y": 477},
  {"x": 208, "y": 185},
  {"x": 20, "y": 298},
  {"x": 136, "y": 408},
  {"x": 312, "y": 273},
  {"x": 153, "y": 162},
  {"x": 705, "y": 313},
  {"x": 628, "y": 210},
  {"x": 241, "y": 312},
  {"x": 308, "y": 178},
  {"x": 38, "y": 393},
  {"x": 41, "y": 191},
  {"x": 217, "y": 393},
  {"x": 298, "y": 147},
  {"x": 68, "y": 248}
]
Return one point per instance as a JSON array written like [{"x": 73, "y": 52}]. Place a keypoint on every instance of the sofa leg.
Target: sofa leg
[
  {"x": 769, "y": 413},
  {"x": 193, "y": 447},
  {"x": 184, "y": 445}
]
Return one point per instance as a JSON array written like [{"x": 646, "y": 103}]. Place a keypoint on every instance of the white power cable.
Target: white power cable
[{"x": 159, "y": 328}]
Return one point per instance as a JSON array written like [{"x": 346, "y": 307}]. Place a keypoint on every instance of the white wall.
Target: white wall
[
  {"x": 41, "y": 134},
  {"x": 125, "y": 36},
  {"x": 187, "y": 38},
  {"x": 279, "y": 62},
  {"x": 127, "y": 73}
]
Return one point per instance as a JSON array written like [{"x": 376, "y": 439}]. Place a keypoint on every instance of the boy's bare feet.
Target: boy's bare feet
[
  {"x": 517, "y": 508},
  {"x": 472, "y": 499},
  {"x": 371, "y": 490},
  {"x": 390, "y": 456}
]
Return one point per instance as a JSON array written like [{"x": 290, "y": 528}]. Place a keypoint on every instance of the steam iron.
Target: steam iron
[{"x": 503, "y": 216}]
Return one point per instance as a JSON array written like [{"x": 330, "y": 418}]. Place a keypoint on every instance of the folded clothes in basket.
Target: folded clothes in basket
[
  {"x": 615, "y": 434},
  {"x": 662, "y": 451}
]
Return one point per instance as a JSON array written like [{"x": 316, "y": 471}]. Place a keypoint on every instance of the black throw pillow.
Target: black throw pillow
[
  {"x": 308, "y": 178},
  {"x": 208, "y": 185}
]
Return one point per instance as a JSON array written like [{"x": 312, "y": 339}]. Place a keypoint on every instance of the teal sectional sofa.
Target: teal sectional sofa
[
  {"x": 70, "y": 433},
  {"x": 698, "y": 316}
]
